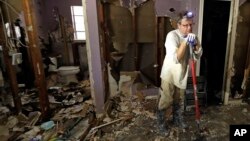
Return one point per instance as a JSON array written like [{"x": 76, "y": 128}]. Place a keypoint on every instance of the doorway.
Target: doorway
[{"x": 214, "y": 42}]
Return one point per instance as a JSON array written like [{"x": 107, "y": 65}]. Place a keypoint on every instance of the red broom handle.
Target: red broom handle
[{"x": 197, "y": 109}]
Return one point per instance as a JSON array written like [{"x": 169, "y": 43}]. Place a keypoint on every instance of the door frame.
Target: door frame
[{"x": 231, "y": 38}]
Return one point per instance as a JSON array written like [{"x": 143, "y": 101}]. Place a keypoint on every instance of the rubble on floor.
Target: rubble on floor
[
  {"x": 71, "y": 107},
  {"x": 141, "y": 123},
  {"x": 127, "y": 116}
]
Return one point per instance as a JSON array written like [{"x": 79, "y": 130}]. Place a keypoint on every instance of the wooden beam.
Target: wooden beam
[
  {"x": 156, "y": 52},
  {"x": 36, "y": 56},
  {"x": 65, "y": 40},
  {"x": 161, "y": 31},
  {"x": 105, "y": 46},
  {"x": 10, "y": 69},
  {"x": 234, "y": 9}
]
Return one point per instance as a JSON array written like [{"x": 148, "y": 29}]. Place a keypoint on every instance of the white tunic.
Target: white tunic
[{"x": 175, "y": 71}]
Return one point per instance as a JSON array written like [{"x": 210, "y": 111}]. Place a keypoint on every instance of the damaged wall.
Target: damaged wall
[
  {"x": 64, "y": 9},
  {"x": 163, "y": 7},
  {"x": 58, "y": 30},
  {"x": 241, "y": 47},
  {"x": 120, "y": 21},
  {"x": 132, "y": 32},
  {"x": 120, "y": 26},
  {"x": 14, "y": 13},
  {"x": 12, "y": 10},
  {"x": 39, "y": 7}
]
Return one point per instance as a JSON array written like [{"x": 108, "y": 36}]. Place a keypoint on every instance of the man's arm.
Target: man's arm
[{"x": 181, "y": 50}]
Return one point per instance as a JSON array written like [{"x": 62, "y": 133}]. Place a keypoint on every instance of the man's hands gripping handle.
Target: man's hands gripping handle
[{"x": 191, "y": 39}]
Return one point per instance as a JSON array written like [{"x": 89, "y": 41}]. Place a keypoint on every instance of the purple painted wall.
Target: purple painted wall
[
  {"x": 94, "y": 55},
  {"x": 63, "y": 7},
  {"x": 162, "y": 9}
]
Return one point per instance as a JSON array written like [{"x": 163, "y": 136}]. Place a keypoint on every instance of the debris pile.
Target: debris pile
[
  {"x": 126, "y": 117},
  {"x": 71, "y": 108}
]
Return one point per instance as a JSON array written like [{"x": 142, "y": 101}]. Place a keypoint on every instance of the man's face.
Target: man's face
[{"x": 185, "y": 26}]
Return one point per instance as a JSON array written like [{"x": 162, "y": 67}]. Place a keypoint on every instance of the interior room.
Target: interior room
[{"x": 92, "y": 69}]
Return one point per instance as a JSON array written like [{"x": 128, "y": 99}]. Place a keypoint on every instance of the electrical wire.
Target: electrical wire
[
  {"x": 19, "y": 42},
  {"x": 12, "y": 8},
  {"x": 5, "y": 32}
]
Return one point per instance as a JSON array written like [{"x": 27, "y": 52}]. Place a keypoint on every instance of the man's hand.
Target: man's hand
[{"x": 191, "y": 39}]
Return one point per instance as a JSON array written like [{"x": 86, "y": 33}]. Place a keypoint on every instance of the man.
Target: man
[{"x": 175, "y": 68}]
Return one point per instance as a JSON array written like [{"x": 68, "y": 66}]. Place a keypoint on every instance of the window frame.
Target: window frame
[{"x": 74, "y": 23}]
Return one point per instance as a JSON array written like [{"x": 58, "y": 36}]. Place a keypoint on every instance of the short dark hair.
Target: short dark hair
[{"x": 184, "y": 15}]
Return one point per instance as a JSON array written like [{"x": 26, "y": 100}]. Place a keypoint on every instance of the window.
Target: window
[{"x": 78, "y": 22}]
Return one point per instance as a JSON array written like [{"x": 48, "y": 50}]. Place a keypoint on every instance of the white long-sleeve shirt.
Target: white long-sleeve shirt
[{"x": 173, "y": 70}]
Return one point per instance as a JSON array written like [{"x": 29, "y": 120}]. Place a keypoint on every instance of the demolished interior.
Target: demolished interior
[{"x": 90, "y": 70}]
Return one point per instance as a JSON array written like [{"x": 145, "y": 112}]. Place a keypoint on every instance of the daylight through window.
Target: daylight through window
[{"x": 78, "y": 22}]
